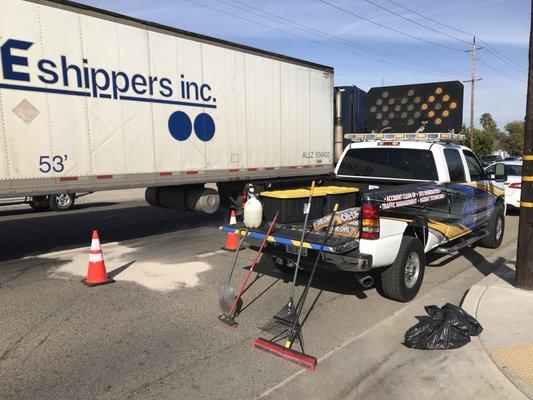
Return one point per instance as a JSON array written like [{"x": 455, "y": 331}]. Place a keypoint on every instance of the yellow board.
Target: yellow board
[
  {"x": 324, "y": 190},
  {"x": 304, "y": 193},
  {"x": 287, "y": 194}
]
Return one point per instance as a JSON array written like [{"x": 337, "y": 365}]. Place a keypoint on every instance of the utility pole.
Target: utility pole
[
  {"x": 472, "y": 81},
  {"x": 524, "y": 250}
]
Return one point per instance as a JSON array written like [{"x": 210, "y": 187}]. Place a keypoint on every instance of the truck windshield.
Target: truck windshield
[{"x": 393, "y": 163}]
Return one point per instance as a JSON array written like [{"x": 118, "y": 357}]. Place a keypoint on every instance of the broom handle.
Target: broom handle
[
  {"x": 295, "y": 276},
  {"x": 256, "y": 259},
  {"x": 301, "y": 302}
]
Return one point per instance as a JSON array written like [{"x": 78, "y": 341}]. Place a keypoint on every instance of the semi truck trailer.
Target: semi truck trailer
[{"x": 92, "y": 100}]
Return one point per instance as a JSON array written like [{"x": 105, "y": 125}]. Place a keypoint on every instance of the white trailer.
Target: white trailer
[{"x": 91, "y": 100}]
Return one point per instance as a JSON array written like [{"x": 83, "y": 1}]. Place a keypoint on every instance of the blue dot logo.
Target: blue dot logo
[
  {"x": 179, "y": 125},
  {"x": 204, "y": 127}
]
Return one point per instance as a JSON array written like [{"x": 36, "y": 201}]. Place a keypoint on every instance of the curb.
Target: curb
[
  {"x": 475, "y": 293},
  {"x": 471, "y": 305}
]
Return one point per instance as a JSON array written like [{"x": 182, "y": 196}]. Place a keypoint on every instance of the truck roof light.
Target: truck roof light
[{"x": 412, "y": 136}]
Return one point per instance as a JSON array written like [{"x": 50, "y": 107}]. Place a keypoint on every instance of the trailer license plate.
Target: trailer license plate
[{"x": 295, "y": 249}]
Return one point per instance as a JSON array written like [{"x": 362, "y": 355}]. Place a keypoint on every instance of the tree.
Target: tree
[
  {"x": 483, "y": 142},
  {"x": 488, "y": 123},
  {"x": 514, "y": 143}
]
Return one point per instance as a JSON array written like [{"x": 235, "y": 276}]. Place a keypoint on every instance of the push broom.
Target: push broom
[{"x": 286, "y": 352}]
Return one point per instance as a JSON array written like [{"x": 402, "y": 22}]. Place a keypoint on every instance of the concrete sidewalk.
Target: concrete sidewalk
[
  {"x": 506, "y": 314},
  {"x": 375, "y": 365}
]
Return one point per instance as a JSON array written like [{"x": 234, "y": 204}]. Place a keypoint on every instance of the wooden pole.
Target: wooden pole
[{"x": 524, "y": 251}]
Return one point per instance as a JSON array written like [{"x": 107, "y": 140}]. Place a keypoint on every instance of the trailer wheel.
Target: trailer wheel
[
  {"x": 62, "y": 202},
  {"x": 496, "y": 229},
  {"x": 39, "y": 203},
  {"x": 402, "y": 280}
]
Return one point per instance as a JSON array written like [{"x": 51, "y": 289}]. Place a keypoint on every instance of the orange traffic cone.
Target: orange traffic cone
[
  {"x": 96, "y": 273},
  {"x": 232, "y": 239}
]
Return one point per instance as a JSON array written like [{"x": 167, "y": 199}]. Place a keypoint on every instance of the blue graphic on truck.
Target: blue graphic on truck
[{"x": 88, "y": 81}]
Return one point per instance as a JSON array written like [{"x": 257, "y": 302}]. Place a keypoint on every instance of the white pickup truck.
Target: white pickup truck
[{"x": 415, "y": 196}]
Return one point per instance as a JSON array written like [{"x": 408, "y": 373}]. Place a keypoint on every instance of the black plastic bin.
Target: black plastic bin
[
  {"x": 290, "y": 205},
  {"x": 344, "y": 196}
]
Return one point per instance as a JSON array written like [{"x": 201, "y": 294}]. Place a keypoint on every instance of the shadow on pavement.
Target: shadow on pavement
[
  {"x": 337, "y": 282},
  {"x": 20, "y": 237},
  {"x": 31, "y": 211},
  {"x": 116, "y": 271}
]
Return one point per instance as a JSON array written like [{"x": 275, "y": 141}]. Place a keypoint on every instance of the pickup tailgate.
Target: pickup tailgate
[
  {"x": 290, "y": 236},
  {"x": 339, "y": 253}
]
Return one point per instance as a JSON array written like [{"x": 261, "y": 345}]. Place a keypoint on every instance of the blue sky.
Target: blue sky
[{"x": 503, "y": 24}]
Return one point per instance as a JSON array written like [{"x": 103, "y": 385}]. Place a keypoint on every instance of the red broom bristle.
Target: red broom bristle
[{"x": 303, "y": 360}]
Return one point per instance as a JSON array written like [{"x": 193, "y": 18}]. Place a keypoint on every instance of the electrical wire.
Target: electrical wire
[
  {"x": 490, "y": 48},
  {"x": 417, "y": 23},
  {"x": 319, "y": 32},
  {"x": 431, "y": 72},
  {"x": 390, "y": 28},
  {"x": 502, "y": 58},
  {"x": 388, "y": 62},
  {"x": 481, "y": 61}
]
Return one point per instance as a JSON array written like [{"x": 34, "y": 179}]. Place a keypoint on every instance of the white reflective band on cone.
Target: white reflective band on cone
[
  {"x": 95, "y": 244},
  {"x": 96, "y": 257}
]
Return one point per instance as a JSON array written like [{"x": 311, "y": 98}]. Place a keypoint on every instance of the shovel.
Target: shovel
[{"x": 226, "y": 293}]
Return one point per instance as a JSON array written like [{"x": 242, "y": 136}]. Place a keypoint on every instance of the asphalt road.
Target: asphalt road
[{"x": 154, "y": 333}]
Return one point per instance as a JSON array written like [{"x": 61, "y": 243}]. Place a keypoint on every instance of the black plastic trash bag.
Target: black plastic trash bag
[{"x": 449, "y": 327}]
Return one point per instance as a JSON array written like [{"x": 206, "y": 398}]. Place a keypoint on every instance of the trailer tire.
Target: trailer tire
[
  {"x": 62, "y": 202},
  {"x": 39, "y": 203},
  {"x": 402, "y": 280},
  {"x": 496, "y": 228}
]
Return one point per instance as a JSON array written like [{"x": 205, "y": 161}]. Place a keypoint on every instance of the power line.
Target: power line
[
  {"x": 489, "y": 48},
  {"x": 390, "y": 28},
  {"x": 499, "y": 70},
  {"x": 314, "y": 41},
  {"x": 497, "y": 87},
  {"x": 430, "y": 19},
  {"x": 417, "y": 23},
  {"x": 502, "y": 58},
  {"x": 340, "y": 40},
  {"x": 305, "y": 38}
]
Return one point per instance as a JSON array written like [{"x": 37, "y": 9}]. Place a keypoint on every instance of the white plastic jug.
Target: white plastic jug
[{"x": 253, "y": 212}]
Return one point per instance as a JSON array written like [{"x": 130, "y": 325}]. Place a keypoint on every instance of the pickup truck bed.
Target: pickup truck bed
[{"x": 338, "y": 253}]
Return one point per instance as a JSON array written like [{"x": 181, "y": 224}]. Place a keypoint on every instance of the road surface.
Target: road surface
[{"x": 154, "y": 333}]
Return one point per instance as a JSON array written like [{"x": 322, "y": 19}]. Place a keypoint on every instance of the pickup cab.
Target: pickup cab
[{"x": 415, "y": 196}]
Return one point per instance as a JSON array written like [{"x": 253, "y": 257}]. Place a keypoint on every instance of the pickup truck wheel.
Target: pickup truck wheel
[
  {"x": 402, "y": 280},
  {"x": 496, "y": 228},
  {"x": 39, "y": 203},
  {"x": 61, "y": 202}
]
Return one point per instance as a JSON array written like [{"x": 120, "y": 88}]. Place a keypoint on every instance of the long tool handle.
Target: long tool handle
[
  {"x": 300, "y": 249},
  {"x": 235, "y": 255},
  {"x": 300, "y": 306},
  {"x": 249, "y": 273}
]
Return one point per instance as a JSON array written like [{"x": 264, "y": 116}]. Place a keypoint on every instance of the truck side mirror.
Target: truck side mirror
[{"x": 499, "y": 173}]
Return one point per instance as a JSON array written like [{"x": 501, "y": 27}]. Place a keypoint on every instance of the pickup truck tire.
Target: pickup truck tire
[
  {"x": 496, "y": 228},
  {"x": 61, "y": 202},
  {"x": 39, "y": 203},
  {"x": 402, "y": 280}
]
